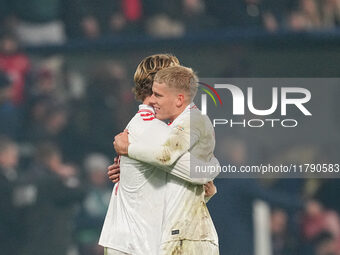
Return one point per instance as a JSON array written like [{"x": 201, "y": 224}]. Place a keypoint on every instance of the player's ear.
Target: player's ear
[{"x": 180, "y": 100}]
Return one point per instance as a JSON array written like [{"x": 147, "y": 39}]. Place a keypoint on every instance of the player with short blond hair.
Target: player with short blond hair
[{"x": 179, "y": 77}]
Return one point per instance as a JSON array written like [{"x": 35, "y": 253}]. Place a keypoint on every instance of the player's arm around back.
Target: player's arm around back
[
  {"x": 194, "y": 170},
  {"x": 149, "y": 140},
  {"x": 173, "y": 145}
]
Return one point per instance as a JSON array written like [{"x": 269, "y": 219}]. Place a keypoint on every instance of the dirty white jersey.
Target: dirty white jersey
[
  {"x": 133, "y": 223},
  {"x": 186, "y": 216}
]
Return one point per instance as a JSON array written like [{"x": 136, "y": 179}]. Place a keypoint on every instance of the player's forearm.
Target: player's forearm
[
  {"x": 164, "y": 155},
  {"x": 146, "y": 154},
  {"x": 186, "y": 169}
]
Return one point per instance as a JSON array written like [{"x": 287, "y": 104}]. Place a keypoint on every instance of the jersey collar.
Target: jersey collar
[{"x": 147, "y": 108}]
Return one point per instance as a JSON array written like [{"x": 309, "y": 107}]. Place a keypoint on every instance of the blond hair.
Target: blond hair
[
  {"x": 179, "y": 77},
  {"x": 146, "y": 71}
]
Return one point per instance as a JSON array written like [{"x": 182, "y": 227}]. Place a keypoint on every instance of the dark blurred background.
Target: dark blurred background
[{"x": 66, "y": 69}]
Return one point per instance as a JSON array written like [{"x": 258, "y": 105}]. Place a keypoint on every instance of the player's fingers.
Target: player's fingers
[
  {"x": 114, "y": 171},
  {"x": 115, "y": 160},
  {"x": 115, "y": 180},
  {"x": 117, "y": 137},
  {"x": 116, "y": 167},
  {"x": 114, "y": 176},
  {"x": 110, "y": 167}
]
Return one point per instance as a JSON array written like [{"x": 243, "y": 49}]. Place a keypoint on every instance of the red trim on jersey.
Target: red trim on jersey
[
  {"x": 149, "y": 119},
  {"x": 169, "y": 124},
  {"x": 193, "y": 107},
  {"x": 117, "y": 184},
  {"x": 146, "y": 114},
  {"x": 116, "y": 188},
  {"x": 145, "y": 110}
]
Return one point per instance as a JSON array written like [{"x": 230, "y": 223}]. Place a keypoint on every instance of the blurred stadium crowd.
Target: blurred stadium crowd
[
  {"x": 41, "y": 22},
  {"x": 53, "y": 152},
  {"x": 56, "y": 138}
]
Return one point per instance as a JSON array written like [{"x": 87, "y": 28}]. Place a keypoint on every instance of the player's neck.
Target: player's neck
[
  {"x": 178, "y": 112},
  {"x": 147, "y": 101}
]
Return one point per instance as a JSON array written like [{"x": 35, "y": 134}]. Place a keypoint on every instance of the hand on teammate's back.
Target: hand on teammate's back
[
  {"x": 114, "y": 171},
  {"x": 121, "y": 143}
]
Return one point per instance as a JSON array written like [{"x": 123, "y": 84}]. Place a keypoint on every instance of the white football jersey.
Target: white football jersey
[
  {"x": 133, "y": 223},
  {"x": 186, "y": 216}
]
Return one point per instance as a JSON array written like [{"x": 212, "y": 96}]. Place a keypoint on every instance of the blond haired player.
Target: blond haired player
[
  {"x": 133, "y": 224},
  {"x": 187, "y": 225}
]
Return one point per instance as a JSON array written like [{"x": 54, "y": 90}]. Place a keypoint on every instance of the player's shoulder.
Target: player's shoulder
[
  {"x": 188, "y": 114},
  {"x": 146, "y": 118},
  {"x": 196, "y": 116},
  {"x": 196, "y": 113},
  {"x": 146, "y": 115},
  {"x": 196, "y": 121}
]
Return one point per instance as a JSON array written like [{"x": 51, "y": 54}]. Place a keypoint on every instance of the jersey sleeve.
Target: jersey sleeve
[
  {"x": 185, "y": 168},
  {"x": 148, "y": 133},
  {"x": 177, "y": 142}
]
